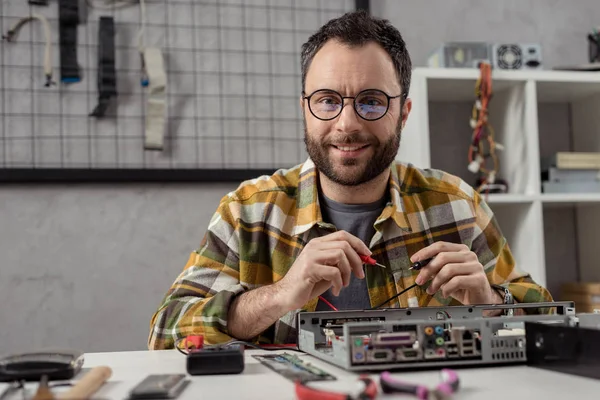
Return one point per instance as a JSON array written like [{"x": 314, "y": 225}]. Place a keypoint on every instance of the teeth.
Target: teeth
[{"x": 348, "y": 148}]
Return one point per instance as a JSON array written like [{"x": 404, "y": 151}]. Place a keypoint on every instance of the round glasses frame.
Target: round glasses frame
[{"x": 389, "y": 98}]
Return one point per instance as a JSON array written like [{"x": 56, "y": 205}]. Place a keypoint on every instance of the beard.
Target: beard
[{"x": 350, "y": 172}]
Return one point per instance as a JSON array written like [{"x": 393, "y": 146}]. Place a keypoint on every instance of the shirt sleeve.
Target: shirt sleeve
[
  {"x": 197, "y": 303},
  {"x": 495, "y": 255}
]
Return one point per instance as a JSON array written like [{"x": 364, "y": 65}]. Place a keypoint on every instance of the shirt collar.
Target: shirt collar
[{"x": 308, "y": 211}]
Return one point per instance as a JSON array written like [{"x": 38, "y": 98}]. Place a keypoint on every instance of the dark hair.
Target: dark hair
[{"x": 356, "y": 29}]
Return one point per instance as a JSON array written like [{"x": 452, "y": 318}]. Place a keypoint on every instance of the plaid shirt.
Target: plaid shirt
[{"x": 259, "y": 229}]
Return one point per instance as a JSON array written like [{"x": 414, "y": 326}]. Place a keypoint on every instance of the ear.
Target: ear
[{"x": 406, "y": 110}]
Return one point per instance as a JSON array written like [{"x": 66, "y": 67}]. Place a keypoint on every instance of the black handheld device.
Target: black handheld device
[
  {"x": 215, "y": 361},
  {"x": 159, "y": 386}
]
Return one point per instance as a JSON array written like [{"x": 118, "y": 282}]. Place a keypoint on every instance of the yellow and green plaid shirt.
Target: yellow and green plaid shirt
[{"x": 259, "y": 229}]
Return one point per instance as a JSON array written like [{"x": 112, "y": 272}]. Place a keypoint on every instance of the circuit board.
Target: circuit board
[{"x": 293, "y": 367}]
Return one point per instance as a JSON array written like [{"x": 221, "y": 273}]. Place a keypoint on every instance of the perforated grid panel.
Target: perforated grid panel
[{"x": 233, "y": 86}]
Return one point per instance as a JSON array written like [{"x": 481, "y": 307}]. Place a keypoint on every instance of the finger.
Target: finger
[
  {"x": 356, "y": 264},
  {"x": 330, "y": 274},
  {"x": 449, "y": 271},
  {"x": 358, "y": 245},
  {"x": 434, "y": 249},
  {"x": 442, "y": 259},
  {"x": 461, "y": 282},
  {"x": 335, "y": 257}
]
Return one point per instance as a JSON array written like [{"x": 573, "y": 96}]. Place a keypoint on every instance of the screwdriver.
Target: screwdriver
[{"x": 370, "y": 261}]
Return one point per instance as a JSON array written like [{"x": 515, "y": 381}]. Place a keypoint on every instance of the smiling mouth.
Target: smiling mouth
[{"x": 350, "y": 148}]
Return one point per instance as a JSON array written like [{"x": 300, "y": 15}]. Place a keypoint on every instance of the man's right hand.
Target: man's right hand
[{"x": 326, "y": 261}]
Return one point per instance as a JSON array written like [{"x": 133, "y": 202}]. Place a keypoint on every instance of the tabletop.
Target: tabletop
[{"x": 259, "y": 382}]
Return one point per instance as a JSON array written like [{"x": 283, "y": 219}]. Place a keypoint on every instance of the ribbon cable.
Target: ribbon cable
[
  {"x": 12, "y": 34},
  {"x": 68, "y": 19},
  {"x": 157, "y": 105},
  {"x": 107, "y": 76}
]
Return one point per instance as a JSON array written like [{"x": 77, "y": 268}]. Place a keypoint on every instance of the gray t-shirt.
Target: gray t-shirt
[{"x": 357, "y": 219}]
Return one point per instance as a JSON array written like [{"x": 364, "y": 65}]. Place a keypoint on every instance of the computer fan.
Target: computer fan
[{"x": 517, "y": 56}]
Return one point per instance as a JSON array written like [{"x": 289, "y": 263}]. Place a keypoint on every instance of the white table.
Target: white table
[{"x": 260, "y": 383}]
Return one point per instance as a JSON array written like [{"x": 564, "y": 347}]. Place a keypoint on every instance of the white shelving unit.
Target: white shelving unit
[{"x": 555, "y": 237}]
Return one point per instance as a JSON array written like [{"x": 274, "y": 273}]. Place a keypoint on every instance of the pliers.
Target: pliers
[
  {"x": 443, "y": 391},
  {"x": 368, "y": 392}
]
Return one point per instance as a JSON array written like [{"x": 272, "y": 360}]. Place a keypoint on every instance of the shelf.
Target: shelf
[
  {"x": 508, "y": 198},
  {"x": 564, "y": 199},
  {"x": 458, "y": 84},
  {"x": 569, "y": 198}
]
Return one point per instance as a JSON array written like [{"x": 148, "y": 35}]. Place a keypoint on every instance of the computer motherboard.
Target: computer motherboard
[{"x": 429, "y": 337}]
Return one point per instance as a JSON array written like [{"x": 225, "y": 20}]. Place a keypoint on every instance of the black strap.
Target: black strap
[
  {"x": 68, "y": 18},
  {"x": 38, "y": 2},
  {"x": 107, "y": 76}
]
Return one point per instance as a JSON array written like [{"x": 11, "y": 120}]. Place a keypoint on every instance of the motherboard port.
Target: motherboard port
[
  {"x": 467, "y": 335},
  {"x": 358, "y": 356},
  {"x": 380, "y": 355},
  {"x": 439, "y": 330},
  {"x": 428, "y": 330},
  {"x": 408, "y": 354},
  {"x": 394, "y": 339},
  {"x": 429, "y": 353},
  {"x": 452, "y": 350},
  {"x": 438, "y": 353},
  {"x": 439, "y": 341},
  {"x": 467, "y": 351}
]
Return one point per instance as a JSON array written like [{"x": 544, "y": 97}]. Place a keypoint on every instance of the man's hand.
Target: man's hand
[
  {"x": 457, "y": 272},
  {"x": 324, "y": 262}
]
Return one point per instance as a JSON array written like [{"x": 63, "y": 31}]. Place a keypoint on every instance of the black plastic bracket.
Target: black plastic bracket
[
  {"x": 363, "y": 5},
  {"x": 566, "y": 349},
  {"x": 126, "y": 175},
  {"x": 107, "y": 75},
  {"x": 68, "y": 19}
]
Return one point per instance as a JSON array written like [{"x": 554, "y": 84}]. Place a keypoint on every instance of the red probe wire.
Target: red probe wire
[
  {"x": 370, "y": 261},
  {"x": 366, "y": 260}
]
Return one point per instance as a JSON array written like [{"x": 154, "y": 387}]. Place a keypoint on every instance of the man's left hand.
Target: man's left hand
[{"x": 457, "y": 272}]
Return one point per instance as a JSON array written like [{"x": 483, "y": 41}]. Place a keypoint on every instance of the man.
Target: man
[{"x": 293, "y": 240}]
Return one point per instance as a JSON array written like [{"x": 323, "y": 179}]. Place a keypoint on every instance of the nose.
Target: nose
[{"x": 348, "y": 121}]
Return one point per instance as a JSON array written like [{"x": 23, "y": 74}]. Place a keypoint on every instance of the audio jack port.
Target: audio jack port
[{"x": 429, "y": 331}]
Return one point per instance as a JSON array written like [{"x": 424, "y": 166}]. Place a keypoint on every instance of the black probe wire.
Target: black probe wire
[{"x": 393, "y": 297}]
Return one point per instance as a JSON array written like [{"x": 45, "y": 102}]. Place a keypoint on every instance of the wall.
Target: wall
[{"x": 85, "y": 266}]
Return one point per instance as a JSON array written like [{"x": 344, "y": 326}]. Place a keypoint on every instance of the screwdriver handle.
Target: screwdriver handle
[{"x": 88, "y": 384}]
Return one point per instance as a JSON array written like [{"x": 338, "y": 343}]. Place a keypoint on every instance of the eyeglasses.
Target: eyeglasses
[{"x": 370, "y": 104}]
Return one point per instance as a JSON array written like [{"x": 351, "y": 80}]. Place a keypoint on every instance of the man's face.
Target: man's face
[{"x": 348, "y": 149}]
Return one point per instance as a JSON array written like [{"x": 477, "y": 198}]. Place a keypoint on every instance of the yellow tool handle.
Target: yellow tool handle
[{"x": 88, "y": 385}]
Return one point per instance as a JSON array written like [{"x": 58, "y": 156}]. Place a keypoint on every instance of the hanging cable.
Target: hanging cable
[
  {"x": 13, "y": 32},
  {"x": 483, "y": 131},
  {"x": 118, "y": 4},
  {"x": 153, "y": 75}
]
